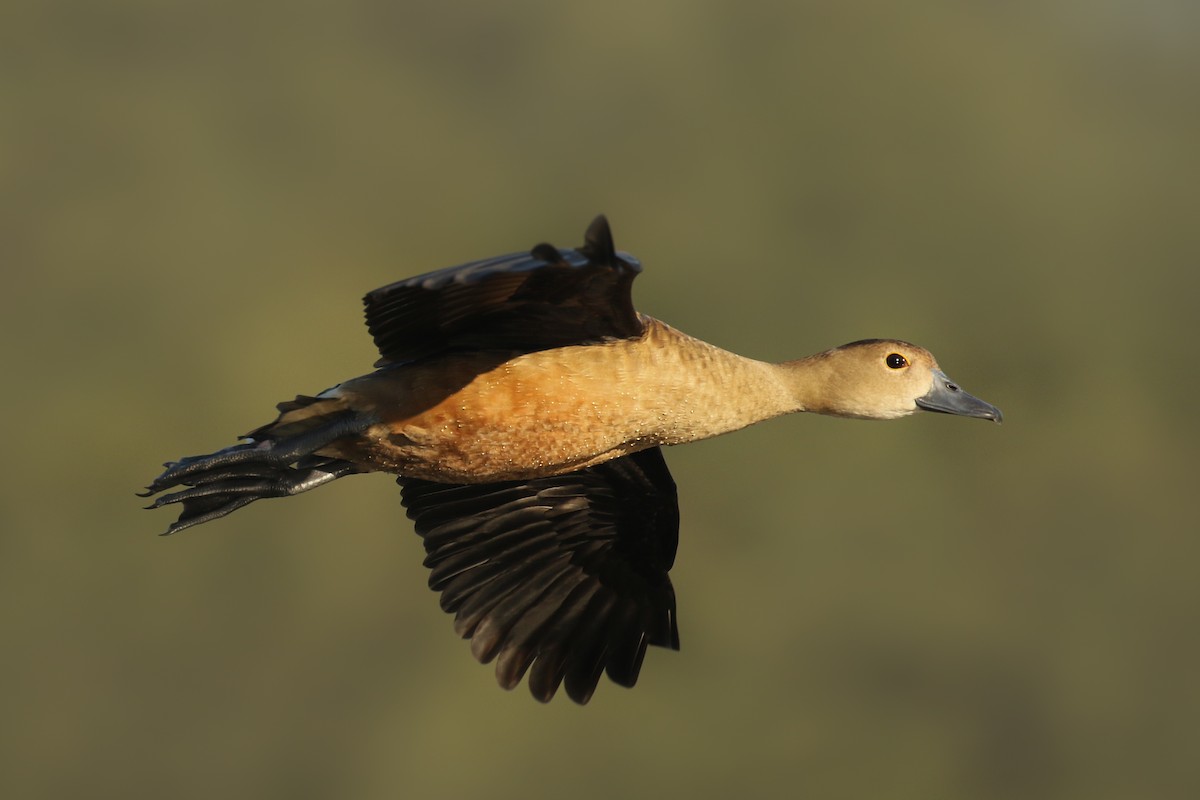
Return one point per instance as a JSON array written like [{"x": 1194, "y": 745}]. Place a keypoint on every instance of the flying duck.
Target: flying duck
[{"x": 523, "y": 404}]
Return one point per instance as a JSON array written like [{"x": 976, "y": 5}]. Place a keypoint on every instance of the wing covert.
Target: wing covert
[{"x": 530, "y": 301}]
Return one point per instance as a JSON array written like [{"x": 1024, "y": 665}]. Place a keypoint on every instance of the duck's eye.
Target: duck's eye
[{"x": 896, "y": 361}]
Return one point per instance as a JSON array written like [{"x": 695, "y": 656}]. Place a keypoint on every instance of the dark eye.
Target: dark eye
[{"x": 896, "y": 361}]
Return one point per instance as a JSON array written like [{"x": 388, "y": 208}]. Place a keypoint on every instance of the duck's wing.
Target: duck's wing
[
  {"x": 564, "y": 577},
  {"x": 523, "y": 301}
]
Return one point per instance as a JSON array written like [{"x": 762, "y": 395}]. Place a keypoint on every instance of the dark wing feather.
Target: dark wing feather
[
  {"x": 563, "y": 577},
  {"x": 524, "y": 301}
]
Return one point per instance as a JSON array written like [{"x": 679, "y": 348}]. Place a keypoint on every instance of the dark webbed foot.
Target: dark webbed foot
[
  {"x": 226, "y": 492},
  {"x": 228, "y": 479},
  {"x": 268, "y": 453}
]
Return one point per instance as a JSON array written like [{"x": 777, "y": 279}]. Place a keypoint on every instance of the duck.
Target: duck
[{"x": 523, "y": 405}]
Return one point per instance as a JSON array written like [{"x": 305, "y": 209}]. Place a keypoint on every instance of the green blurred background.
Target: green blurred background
[{"x": 193, "y": 197}]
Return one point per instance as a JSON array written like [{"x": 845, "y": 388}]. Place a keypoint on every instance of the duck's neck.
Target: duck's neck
[
  {"x": 724, "y": 391},
  {"x": 709, "y": 391},
  {"x": 811, "y": 383}
]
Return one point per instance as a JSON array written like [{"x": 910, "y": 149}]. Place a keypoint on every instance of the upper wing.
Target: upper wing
[
  {"x": 524, "y": 301},
  {"x": 566, "y": 573}
]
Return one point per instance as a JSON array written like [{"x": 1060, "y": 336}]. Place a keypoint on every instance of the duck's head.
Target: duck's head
[{"x": 885, "y": 379}]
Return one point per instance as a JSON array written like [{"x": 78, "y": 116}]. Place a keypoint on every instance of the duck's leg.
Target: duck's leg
[
  {"x": 268, "y": 452},
  {"x": 231, "y": 478}
]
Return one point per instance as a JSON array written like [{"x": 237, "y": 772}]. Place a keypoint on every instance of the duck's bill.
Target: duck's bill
[{"x": 947, "y": 398}]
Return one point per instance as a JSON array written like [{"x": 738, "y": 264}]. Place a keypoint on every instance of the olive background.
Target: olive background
[{"x": 193, "y": 198}]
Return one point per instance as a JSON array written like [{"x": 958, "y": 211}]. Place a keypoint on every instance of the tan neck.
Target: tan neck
[
  {"x": 711, "y": 391},
  {"x": 810, "y": 382},
  {"x": 705, "y": 391}
]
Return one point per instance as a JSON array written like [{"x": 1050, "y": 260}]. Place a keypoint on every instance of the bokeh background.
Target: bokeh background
[{"x": 193, "y": 197}]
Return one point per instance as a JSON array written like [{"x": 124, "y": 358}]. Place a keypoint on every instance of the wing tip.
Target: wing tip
[{"x": 598, "y": 241}]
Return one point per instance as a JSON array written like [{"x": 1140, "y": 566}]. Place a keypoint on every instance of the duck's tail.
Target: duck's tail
[{"x": 276, "y": 460}]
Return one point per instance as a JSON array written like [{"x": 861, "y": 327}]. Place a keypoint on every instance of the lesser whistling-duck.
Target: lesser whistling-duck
[{"x": 524, "y": 402}]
